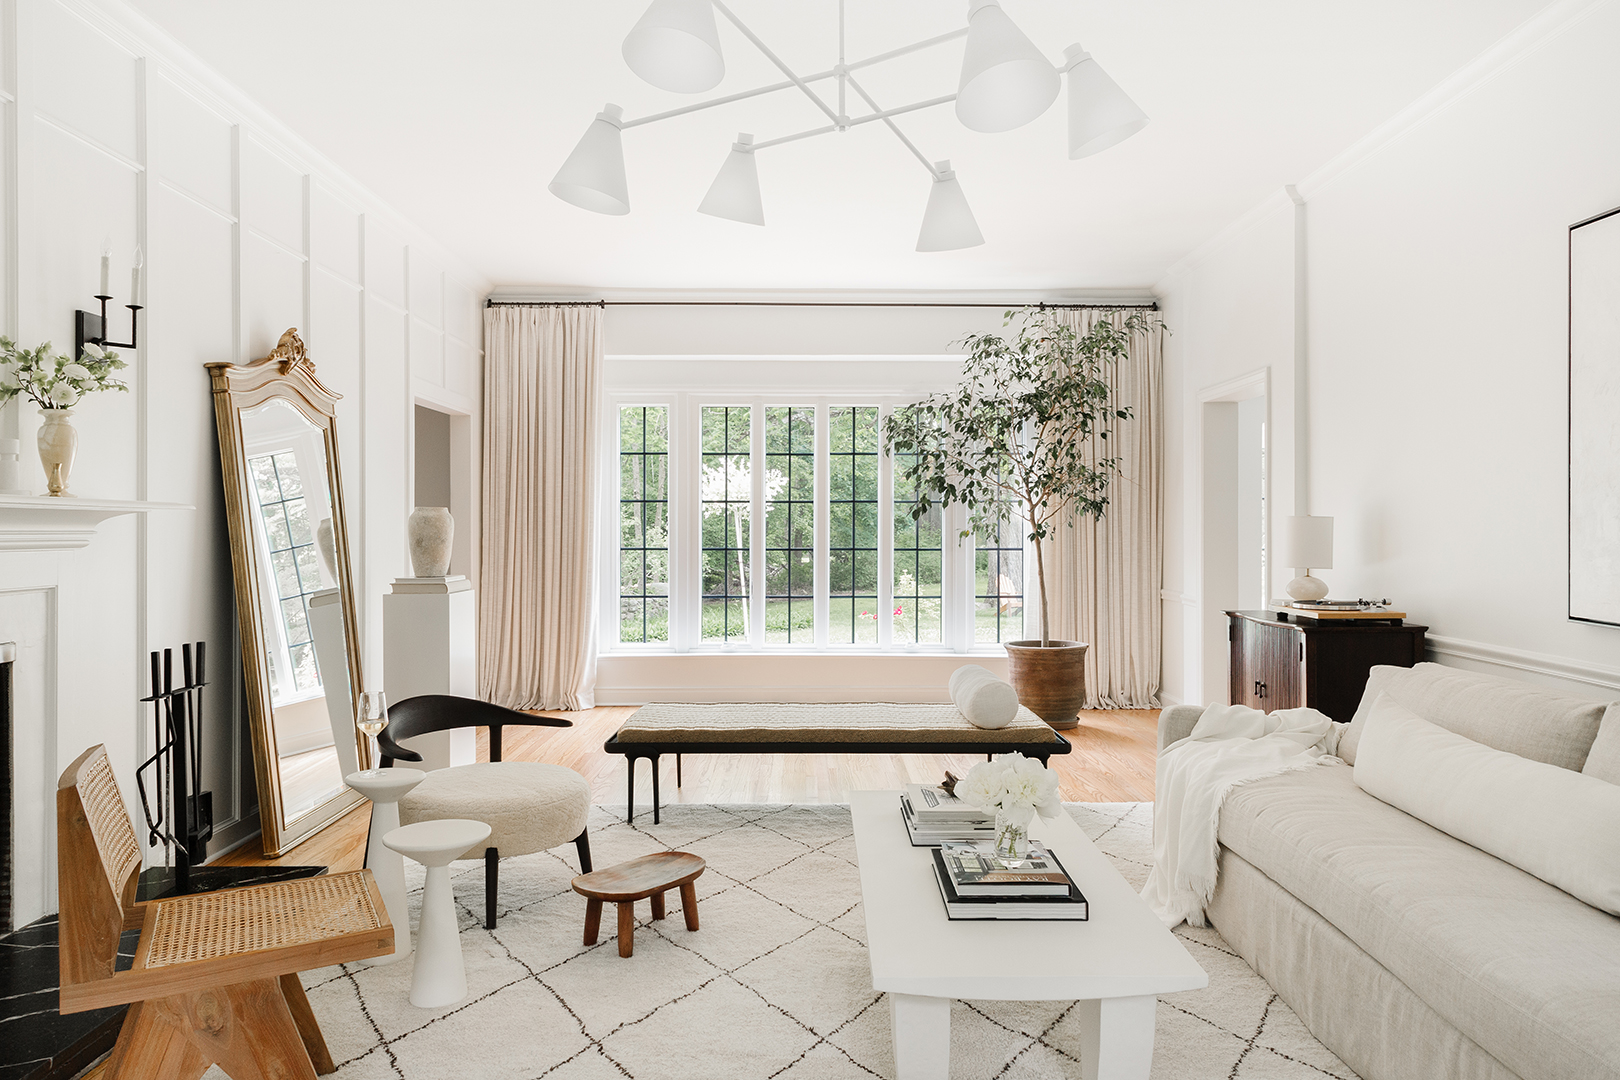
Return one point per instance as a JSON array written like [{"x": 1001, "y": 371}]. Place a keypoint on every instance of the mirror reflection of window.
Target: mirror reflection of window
[{"x": 289, "y": 547}]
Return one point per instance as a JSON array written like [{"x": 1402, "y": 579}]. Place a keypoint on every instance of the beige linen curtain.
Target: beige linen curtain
[
  {"x": 1103, "y": 577},
  {"x": 537, "y": 609}
]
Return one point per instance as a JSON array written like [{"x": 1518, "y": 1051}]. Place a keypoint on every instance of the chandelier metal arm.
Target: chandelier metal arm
[
  {"x": 879, "y": 113},
  {"x": 857, "y": 121},
  {"x": 773, "y": 58},
  {"x": 788, "y": 84}
]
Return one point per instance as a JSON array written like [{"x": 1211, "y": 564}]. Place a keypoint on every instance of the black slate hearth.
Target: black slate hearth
[{"x": 36, "y": 1041}]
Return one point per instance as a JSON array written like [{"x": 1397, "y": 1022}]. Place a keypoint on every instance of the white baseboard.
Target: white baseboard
[{"x": 1573, "y": 676}]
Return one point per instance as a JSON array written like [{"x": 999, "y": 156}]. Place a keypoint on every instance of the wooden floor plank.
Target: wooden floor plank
[{"x": 1112, "y": 761}]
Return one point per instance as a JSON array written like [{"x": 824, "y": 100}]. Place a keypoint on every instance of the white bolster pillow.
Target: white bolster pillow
[
  {"x": 985, "y": 700},
  {"x": 1559, "y": 825}
]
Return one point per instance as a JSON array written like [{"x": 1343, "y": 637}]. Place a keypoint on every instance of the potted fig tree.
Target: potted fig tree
[{"x": 1018, "y": 441}]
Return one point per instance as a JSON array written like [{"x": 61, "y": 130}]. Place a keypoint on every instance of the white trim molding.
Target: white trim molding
[{"x": 1559, "y": 669}]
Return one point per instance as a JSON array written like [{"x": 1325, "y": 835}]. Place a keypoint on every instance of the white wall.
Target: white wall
[
  {"x": 1436, "y": 292},
  {"x": 116, "y": 136}
]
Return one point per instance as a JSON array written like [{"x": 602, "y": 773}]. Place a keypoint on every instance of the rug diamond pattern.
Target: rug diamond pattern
[{"x": 774, "y": 985}]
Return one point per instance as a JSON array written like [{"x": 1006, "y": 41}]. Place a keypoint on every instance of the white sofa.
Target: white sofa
[{"x": 1409, "y": 953}]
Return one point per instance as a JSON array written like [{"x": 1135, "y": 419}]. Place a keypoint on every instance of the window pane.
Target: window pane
[
  {"x": 999, "y": 585},
  {"x": 918, "y": 563},
  {"x": 852, "y": 525},
  {"x": 725, "y": 502},
  {"x": 644, "y": 523},
  {"x": 790, "y": 494}
]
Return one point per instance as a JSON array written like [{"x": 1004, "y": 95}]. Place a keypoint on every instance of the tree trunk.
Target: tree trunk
[{"x": 1040, "y": 570}]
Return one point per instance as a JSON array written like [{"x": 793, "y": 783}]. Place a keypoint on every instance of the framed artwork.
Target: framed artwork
[{"x": 1594, "y": 419}]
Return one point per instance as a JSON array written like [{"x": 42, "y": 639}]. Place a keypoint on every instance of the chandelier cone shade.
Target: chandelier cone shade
[
  {"x": 676, "y": 47},
  {"x": 593, "y": 175},
  {"x": 735, "y": 191},
  {"x": 1006, "y": 82},
  {"x": 948, "y": 222},
  {"x": 1100, "y": 113}
]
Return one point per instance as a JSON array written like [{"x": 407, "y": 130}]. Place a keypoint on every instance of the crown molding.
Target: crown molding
[
  {"x": 1525, "y": 39},
  {"x": 140, "y": 36}
]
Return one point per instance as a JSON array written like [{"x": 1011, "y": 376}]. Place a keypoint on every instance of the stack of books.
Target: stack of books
[
  {"x": 934, "y": 816},
  {"x": 975, "y": 884}
]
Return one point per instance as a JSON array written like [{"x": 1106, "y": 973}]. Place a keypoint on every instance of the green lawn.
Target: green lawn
[{"x": 847, "y": 620}]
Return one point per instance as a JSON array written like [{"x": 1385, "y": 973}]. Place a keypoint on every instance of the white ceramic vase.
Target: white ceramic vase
[
  {"x": 327, "y": 548},
  {"x": 432, "y": 531},
  {"x": 58, "y": 442}
]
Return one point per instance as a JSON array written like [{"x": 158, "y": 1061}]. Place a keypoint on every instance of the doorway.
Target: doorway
[{"x": 1234, "y": 516}]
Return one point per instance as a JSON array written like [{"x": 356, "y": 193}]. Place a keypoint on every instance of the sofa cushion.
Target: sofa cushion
[
  {"x": 1558, "y": 825},
  {"x": 1604, "y": 760},
  {"x": 1522, "y": 719},
  {"x": 1525, "y": 970}
]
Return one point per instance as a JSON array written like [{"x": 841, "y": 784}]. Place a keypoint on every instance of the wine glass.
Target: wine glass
[{"x": 371, "y": 718}]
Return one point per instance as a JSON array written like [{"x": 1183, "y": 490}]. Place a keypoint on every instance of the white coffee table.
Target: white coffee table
[{"x": 1114, "y": 964}]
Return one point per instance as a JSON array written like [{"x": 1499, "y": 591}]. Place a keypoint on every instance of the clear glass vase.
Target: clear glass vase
[{"x": 1012, "y": 836}]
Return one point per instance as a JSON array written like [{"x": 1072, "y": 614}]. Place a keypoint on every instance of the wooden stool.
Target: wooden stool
[{"x": 650, "y": 875}]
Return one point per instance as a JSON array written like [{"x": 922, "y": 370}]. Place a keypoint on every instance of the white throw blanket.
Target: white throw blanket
[{"x": 1230, "y": 745}]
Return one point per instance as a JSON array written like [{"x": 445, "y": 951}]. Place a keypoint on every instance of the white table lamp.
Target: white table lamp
[{"x": 1307, "y": 544}]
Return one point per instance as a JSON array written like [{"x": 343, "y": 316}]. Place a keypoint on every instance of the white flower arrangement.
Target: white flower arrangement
[
  {"x": 1014, "y": 786},
  {"x": 52, "y": 381}
]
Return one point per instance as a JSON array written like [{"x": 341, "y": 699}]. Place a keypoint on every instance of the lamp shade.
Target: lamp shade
[
  {"x": 948, "y": 221},
  {"x": 1100, "y": 113},
  {"x": 1308, "y": 543},
  {"x": 1006, "y": 82},
  {"x": 735, "y": 191},
  {"x": 675, "y": 46},
  {"x": 593, "y": 175}
]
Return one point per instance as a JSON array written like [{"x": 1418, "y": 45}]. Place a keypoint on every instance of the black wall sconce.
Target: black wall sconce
[{"x": 90, "y": 328}]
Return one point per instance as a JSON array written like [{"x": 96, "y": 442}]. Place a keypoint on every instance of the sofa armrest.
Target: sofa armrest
[{"x": 1176, "y": 723}]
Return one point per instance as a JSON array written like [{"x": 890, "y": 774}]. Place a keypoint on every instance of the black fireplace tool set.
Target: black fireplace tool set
[{"x": 183, "y": 819}]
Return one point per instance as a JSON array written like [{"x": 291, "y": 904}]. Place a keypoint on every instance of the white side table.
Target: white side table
[
  {"x": 440, "y": 977},
  {"x": 384, "y": 788}
]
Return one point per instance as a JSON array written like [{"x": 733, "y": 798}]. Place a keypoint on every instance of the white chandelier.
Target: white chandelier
[{"x": 1005, "y": 83}]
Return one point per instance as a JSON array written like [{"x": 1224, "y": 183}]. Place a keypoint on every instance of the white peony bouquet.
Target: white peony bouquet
[
  {"x": 56, "y": 382},
  {"x": 1015, "y": 787}
]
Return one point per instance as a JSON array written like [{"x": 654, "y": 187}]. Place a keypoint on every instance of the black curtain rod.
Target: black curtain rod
[{"x": 1041, "y": 306}]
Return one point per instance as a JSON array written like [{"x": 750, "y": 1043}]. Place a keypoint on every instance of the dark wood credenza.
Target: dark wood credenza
[{"x": 1280, "y": 663}]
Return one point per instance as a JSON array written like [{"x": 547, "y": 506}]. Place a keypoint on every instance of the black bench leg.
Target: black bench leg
[
  {"x": 492, "y": 862},
  {"x": 582, "y": 843},
  {"x": 630, "y": 793},
  {"x": 655, "y": 788},
  {"x": 677, "y": 770}
]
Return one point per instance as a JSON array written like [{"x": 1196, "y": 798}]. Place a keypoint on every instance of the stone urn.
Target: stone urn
[
  {"x": 58, "y": 442},
  {"x": 432, "y": 531},
  {"x": 1050, "y": 680}
]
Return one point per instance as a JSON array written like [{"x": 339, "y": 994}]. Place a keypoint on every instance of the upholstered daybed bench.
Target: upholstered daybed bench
[{"x": 820, "y": 728}]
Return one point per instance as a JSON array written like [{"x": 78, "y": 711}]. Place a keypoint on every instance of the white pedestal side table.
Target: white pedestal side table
[
  {"x": 440, "y": 977},
  {"x": 384, "y": 788}
]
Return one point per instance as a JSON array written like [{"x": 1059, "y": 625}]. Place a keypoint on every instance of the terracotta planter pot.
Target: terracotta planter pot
[{"x": 1051, "y": 681}]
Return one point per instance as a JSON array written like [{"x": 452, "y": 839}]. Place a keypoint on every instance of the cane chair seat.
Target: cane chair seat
[{"x": 282, "y": 915}]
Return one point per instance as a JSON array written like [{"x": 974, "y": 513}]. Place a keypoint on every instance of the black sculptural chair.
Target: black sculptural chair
[{"x": 529, "y": 806}]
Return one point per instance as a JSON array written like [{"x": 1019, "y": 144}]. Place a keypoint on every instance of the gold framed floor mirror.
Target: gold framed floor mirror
[{"x": 295, "y": 601}]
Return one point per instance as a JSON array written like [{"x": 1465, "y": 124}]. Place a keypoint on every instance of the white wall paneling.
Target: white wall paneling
[
  {"x": 1435, "y": 414},
  {"x": 113, "y": 135}
]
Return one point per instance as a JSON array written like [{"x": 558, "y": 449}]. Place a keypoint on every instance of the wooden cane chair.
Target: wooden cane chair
[{"x": 215, "y": 977}]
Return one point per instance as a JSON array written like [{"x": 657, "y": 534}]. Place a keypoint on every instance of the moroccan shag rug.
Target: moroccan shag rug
[{"x": 775, "y": 984}]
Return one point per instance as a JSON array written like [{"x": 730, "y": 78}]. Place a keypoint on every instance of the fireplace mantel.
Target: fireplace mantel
[{"x": 44, "y": 523}]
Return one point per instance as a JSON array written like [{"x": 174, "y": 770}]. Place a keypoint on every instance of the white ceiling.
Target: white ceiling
[{"x": 458, "y": 114}]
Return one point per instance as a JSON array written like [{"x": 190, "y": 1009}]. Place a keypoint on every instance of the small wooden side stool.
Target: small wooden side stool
[{"x": 624, "y": 884}]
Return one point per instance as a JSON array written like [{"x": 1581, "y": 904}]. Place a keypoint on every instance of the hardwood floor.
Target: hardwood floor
[{"x": 1112, "y": 761}]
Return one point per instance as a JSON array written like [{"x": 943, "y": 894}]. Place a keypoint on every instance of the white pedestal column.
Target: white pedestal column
[
  {"x": 430, "y": 643},
  {"x": 332, "y": 654}
]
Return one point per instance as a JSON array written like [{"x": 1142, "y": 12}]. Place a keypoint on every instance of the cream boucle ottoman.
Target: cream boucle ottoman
[{"x": 528, "y": 806}]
